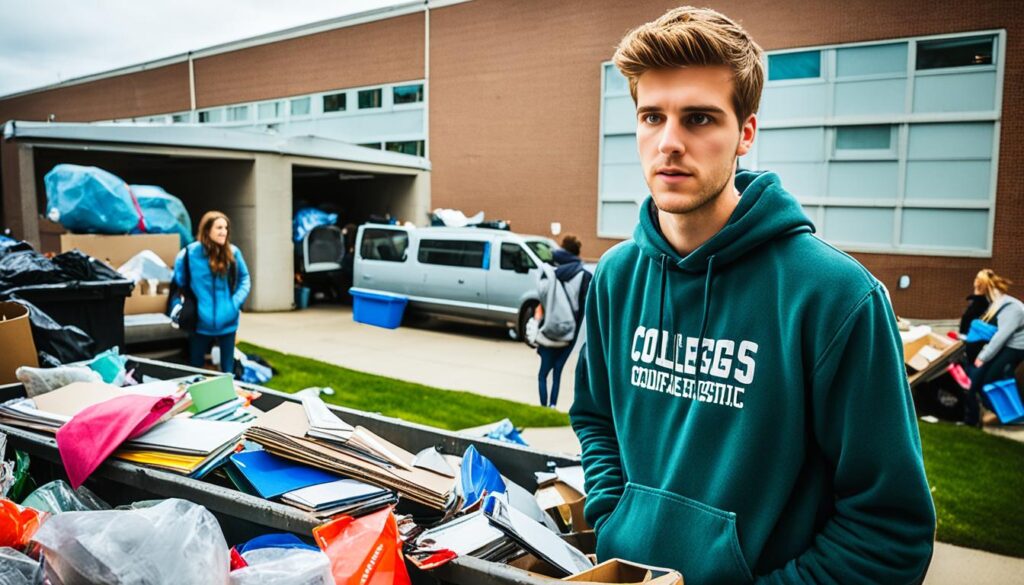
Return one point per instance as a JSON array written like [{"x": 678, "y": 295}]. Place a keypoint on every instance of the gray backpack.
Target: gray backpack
[{"x": 561, "y": 306}]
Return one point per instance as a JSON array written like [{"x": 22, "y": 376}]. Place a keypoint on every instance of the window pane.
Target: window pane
[
  {"x": 951, "y": 141},
  {"x": 542, "y": 250},
  {"x": 513, "y": 255},
  {"x": 864, "y": 137},
  {"x": 209, "y": 116},
  {"x": 946, "y": 228},
  {"x": 369, "y": 98},
  {"x": 181, "y": 118},
  {"x": 614, "y": 81},
  {"x": 618, "y": 217},
  {"x": 300, "y": 106},
  {"x": 334, "y": 102},
  {"x": 413, "y": 147},
  {"x": 382, "y": 244},
  {"x": 954, "y": 52},
  {"x": 802, "y": 65},
  {"x": 238, "y": 113},
  {"x": 859, "y": 225},
  {"x": 269, "y": 111},
  {"x": 408, "y": 94},
  {"x": 373, "y": 145},
  {"x": 871, "y": 60},
  {"x": 452, "y": 253}
]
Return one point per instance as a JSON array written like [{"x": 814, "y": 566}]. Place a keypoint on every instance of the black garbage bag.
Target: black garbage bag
[
  {"x": 65, "y": 343},
  {"x": 27, "y": 268},
  {"x": 9, "y": 245},
  {"x": 77, "y": 265}
]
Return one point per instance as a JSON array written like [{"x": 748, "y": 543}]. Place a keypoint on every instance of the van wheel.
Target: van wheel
[{"x": 525, "y": 314}]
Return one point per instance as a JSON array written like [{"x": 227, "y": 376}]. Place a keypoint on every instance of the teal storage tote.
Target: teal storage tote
[
  {"x": 380, "y": 309},
  {"x": 1005, "y": 400}
]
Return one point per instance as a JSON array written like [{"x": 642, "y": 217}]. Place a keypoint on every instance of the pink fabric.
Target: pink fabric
[{"x": 92, "y": 435}]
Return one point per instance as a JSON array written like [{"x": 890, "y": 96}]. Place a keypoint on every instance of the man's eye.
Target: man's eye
[
  {"x": 701, "y": 120},
  {"x": 650, "y": 118}
]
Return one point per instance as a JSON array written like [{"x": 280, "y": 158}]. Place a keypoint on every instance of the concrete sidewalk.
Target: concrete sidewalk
[{"x": 485, "y": 361}]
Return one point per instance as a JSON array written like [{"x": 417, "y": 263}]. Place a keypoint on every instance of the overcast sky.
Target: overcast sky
[{"x": 48, "y": 41}]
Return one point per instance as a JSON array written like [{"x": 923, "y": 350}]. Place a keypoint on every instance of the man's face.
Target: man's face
[{"x": 688, "y": 135}]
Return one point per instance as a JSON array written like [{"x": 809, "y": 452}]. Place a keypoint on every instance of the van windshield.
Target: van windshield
[{"x": 542, "y": 249}]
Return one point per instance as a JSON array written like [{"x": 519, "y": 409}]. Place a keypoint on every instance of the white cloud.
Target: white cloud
[{"x": 47, "y": 41}]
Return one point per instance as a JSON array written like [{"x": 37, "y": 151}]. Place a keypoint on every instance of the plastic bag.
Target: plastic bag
[
  {"x": 57, "y": 497},
  {"x": 479, "y": 477},
  {"x": 146, "y": 265},
  {"x": 275, "y": 540},
  {"x": 18, "y": 569},
  {"x": 65, "y": 343},
  {"x": 308, "y": 218},
  {"x": 27, "y": 268},
  {"x": 17, "y": 524},
  {"x": 164, "y": 213},
  {"x": 255, "y": 372},
  {"x": 42, "y": 380},
  {"x": 284, "y": 566},
  {"x": 77, "y": 265},
  {"x": 365, "y": 550},
  {"x": 980, "y": 331},
  {"x": 110, "y": 366},
  {"x": 90, "y": 200},
  {"x": 506, "y": 432},
  {"x": 173, "y": 542},
  {"x": 23, "y": 482}
]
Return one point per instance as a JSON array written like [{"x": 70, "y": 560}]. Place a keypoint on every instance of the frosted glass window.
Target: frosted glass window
[
  {"x": 238, "y": 113},
  {"x": 619, "y": 217},
  {"x": 971, "y": 91},
  {"x": 946, "y": 228},
  {"x": 859, "y": 225},
  {"x": 951, "y": 141},
  {"x": 181, "y": 118},
  {"x": 803, "y": 180},
  {"x": 949, "y": 179},
  {"x": 614, "y": 81},
  {"x": 619, "y": 115},
  {"x": 863, "y": 180},
  {"x": 621, "y": 149},
  {"x": 623, "y": 180},
  {"x": 268, "y": 111},
  {"x": 792, "y": 145},
  {"x": 800, "y": 65},
  {"x": 959, "y": 52},
  {"x": 872, "y": 60},
  {"x": 871, "y": 98},
  {"x": 210, "y": 116},
  {"x": 300, "y": 106},
  {"x": 877, "y": 137}
]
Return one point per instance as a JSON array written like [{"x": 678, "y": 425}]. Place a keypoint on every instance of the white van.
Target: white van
[{"x": 472, "y": 273}]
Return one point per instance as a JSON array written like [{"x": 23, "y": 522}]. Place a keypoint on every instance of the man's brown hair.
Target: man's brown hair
[
  {"x": 688, "y": 36},
  {"x": 571, "y": 244}
]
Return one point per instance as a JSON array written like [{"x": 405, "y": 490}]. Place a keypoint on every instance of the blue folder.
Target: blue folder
[{"x": 272, "y": 476}]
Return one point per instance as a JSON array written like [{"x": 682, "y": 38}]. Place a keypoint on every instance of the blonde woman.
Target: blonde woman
[
  {"x": 215, "y": 271},
  {"x": 1005, "y": 351}
]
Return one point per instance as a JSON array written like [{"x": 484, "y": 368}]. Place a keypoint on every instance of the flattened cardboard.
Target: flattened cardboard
[
  {"x": 16, "y": 339},
  {"x": 565, "y": 505},
  {"x": 116, "y": 250},
  {"x": 624, "y": 572},
  {"x": 145, "y": 300}
]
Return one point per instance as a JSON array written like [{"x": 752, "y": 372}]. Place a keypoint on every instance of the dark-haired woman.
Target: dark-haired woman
[{"x": 219, "y": 279}]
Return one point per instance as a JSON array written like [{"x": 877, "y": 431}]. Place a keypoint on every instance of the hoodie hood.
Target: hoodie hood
[
  {"x": 765, "y": 212},
  {"x": 567, "y": 265}
]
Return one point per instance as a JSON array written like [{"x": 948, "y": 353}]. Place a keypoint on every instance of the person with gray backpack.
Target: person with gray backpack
[{"x": 562, "y": 291}]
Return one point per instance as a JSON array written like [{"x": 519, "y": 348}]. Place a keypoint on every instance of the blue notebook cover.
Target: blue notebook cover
[{"x": 272, "y": 476}]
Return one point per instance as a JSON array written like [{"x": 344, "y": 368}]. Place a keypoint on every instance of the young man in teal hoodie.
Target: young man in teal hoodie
[{"x": 742, "y": 402}]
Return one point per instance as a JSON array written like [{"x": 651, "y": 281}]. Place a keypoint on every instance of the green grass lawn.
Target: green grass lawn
[
  {"x": 978, "y": 485},
  {"x": 977, "y": 479},
  {"x": 447, "y": 409}
]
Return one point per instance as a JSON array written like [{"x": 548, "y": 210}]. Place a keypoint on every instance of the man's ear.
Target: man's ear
[{"x": 747, "y": 132}]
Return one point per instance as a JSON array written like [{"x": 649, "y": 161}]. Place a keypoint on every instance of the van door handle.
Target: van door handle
[{"x": 461, "y": 281}]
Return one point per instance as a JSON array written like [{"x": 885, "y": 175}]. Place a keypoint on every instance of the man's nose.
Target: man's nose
[{"x": 671, "y": 140}]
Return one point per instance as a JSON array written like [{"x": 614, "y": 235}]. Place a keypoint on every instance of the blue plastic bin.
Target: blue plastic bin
[
  {"x": 382, "y": 310},
  {"x": 1005, "y": 400}
]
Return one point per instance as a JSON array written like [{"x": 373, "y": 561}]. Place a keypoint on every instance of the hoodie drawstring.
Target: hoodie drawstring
[
  {"x": 704, "y": 318},
  {"x": 661, "y": 297}
]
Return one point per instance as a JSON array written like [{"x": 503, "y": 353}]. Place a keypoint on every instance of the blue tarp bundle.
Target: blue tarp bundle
[
  {"x": 308, "y": 218},
  {"x": 92, "y": 200},
  {"x": 479, "y": 477}
]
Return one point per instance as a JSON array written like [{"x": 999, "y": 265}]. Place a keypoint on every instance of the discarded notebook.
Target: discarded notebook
[
  {"x": 343, "y": 496},
  {"x": 272, "y": 476},
  {"x": 534, "y": 537}
]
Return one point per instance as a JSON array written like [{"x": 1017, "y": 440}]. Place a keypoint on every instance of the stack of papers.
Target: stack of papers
[
  {"x": 284, "y": 431},
  {"x": 326, "y": 426},
  {"x": 343, "y": 496},
  {"x": 471, "y": 535},
  {"x": 269, "y": 476}
]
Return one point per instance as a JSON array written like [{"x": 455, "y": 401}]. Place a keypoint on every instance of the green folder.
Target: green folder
[{"x": 211, "y": 392}]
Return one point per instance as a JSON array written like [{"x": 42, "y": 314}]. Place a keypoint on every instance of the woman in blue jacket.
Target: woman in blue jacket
[{"x": 219, "y": 279}]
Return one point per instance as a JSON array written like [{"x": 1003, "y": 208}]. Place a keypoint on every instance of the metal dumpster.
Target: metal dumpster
[{"x": 243, "y": 516}]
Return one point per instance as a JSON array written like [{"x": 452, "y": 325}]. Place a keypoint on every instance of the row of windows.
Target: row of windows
[
  {"x": 391, "y": 246},
  {"x": 413, "y": 147},
  {"x": 365, "y": 99},
  {"x": 885, "y": 59}
]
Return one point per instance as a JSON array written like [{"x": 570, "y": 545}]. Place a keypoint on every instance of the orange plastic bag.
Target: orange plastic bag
[
  {"x": 17, "y": 524},
  {"x": 364, "y": 551}
]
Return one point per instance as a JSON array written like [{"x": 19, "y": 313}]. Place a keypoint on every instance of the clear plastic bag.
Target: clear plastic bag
[
  {"x": 18, "y": 569},
  {"x": 173, "y": 542},
  {"x": 57, "y": 497},
  {"x": 89, "y": 200},
  {"x": 42, "y": 380},
  {"x": 284, "y": 566}
]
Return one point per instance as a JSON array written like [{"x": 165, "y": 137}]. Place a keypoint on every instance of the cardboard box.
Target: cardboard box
[
  {"x": 565, "y": 505},
  {"x": 16, "y": 341},
  {"x": 928, "y": 355},
  {"x": 625, "y": 572},
  {"x": 147, "y": 299},
  {"x": 116, "y": 250}
]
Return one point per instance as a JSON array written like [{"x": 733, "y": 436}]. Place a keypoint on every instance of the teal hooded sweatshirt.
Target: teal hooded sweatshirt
[{"x": 744, "y": 410}]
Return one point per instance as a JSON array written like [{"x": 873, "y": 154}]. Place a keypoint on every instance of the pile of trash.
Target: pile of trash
[
  {"x": 378, "y": 513},
  {"x": 91, "y": 200}
]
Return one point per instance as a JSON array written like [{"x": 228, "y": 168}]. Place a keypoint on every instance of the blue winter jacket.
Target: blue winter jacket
[{"x": 218, "y": 306}]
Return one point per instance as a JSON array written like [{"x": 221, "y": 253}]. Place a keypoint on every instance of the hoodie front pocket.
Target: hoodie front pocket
[{"x": 663, "y": 529}]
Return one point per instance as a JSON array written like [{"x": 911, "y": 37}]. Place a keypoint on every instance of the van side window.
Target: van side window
[
  {"x": 384, "y": 244},
  {"x": 461, "y": 253},
  {"x": 514, "y": 254}
]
